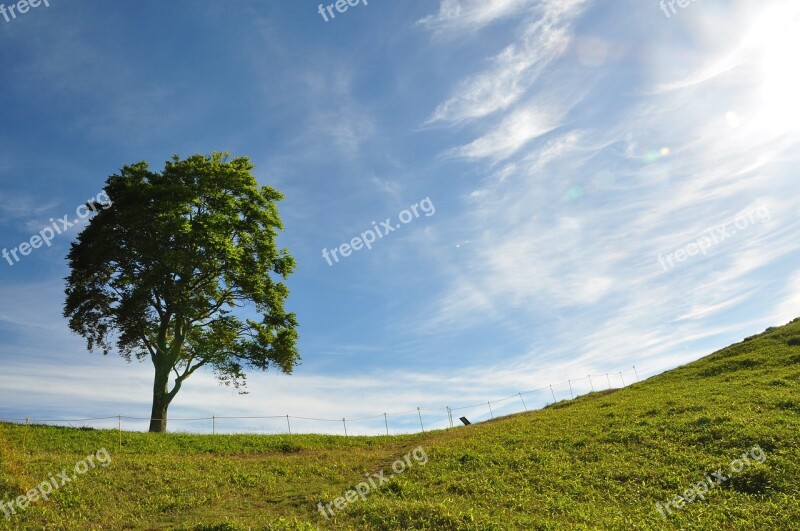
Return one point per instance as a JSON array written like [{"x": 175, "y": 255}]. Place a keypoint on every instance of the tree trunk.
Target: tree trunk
[{"x": 161, "y": 400}]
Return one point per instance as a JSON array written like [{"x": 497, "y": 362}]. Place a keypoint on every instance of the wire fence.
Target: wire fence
[{"x": 404, "y": 422}]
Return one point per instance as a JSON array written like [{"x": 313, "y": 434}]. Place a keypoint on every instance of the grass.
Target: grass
[{"x": 600, "y": 461}]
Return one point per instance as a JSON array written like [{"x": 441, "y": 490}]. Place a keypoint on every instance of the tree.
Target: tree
[{"x": 183, "y": 268}]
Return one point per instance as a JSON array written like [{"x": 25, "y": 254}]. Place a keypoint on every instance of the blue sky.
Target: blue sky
[{"x": 612, "y": 187}]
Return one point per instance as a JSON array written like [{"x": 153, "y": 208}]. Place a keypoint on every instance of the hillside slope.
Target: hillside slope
[{"x": 601, "y": 461}]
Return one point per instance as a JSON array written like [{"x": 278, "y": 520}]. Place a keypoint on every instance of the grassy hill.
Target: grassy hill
[{"x": 601, "y": 461}]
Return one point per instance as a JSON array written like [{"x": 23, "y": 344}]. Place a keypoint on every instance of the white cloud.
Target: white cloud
[
  {"x": 517, "y": 129},
  {"x": 546, "y": 36},
  {"x": 573, "y": 226},
  {"x": 789, "y": 307},
  {"x": 472, "y": 14}
]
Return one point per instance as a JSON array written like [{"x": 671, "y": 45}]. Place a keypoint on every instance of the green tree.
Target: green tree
[{"x": 183, "y": 268}]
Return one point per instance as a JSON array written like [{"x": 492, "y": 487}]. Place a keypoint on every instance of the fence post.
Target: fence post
[
  {"x": 490, "y": 409},
  {"x": 636, "y": 373},
  {"x": 27, "y": 434},
  {"x": 523, "y": 402},
  {"x": 119, "y": 430},
  {"x": 572, "y": 396},
  {"x": 449, "y": 416},
  {"x": 590, "y": 382},
  {"x": 213, "y": 424},
  {"x": 420, "y": 419},
  {"x": 386, "y": 421},
  {"x": 553, "y": 393},
  {"x": 621, "y": 378},
  {"x": 289, "y": 424},
  {"x": 609, "y": 381}
]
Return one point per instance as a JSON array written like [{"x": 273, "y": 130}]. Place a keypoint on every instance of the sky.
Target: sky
[{"x": 580, "y": 187}]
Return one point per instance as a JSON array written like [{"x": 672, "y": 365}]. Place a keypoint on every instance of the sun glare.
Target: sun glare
[{"x": 777, "y": 38}]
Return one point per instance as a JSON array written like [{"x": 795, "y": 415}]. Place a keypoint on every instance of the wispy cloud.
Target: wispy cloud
[
  {"x": 545, "y": 37},
  {"x": 574, "y": 225},
  {"x": 472, "y": 14},
  {"x": 24, "y": 207}
]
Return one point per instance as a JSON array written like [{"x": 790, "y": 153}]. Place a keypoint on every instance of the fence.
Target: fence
[{"x": 422, "y": 418}]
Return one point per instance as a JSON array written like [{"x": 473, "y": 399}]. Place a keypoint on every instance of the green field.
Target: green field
[{"x": 601, "y": 461}]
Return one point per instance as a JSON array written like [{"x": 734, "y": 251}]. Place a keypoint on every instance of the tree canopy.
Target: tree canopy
[{"x": 183, "y": 268}]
